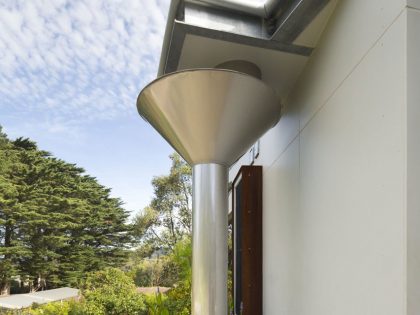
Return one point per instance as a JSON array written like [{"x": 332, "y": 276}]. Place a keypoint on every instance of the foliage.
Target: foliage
[
  {"x": 56, "y": 222},
  {"x": 159, "y": 271},
  {"x": 182, "y": 257},
  {"x": 106, "y": 292},
  {"x": 156, "y": 304},
  {"x": 179, "y": 298},
  {"x": 168, "y": 217},
  {"x": 111, "y": 292},
  {"x": 69, "y": 307},
  {"x": 164, "y": 230},
  {"x": 62, "y": 308}
]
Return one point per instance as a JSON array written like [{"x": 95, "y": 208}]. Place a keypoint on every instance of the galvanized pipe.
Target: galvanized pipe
[{"x": 209, "y": 241}]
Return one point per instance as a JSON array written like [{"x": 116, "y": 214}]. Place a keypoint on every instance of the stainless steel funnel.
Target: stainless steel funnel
[{"x": 210, "y": 117}]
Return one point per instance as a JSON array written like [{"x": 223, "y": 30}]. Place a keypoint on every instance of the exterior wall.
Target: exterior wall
[
  {"x": 413, "y": 159},
  {"x": 340, "y": 211}
]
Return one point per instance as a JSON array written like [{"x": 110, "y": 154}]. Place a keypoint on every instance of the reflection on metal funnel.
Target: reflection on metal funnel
[{"x": 210, "y": 117}]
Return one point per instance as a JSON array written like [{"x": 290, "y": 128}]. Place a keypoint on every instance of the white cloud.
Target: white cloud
[{"x": 78, "y": 59}]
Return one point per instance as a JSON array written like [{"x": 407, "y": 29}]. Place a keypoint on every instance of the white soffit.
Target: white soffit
[{"x": 279, "y": 69}]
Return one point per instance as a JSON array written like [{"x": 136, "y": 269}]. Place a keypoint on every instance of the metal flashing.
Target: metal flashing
[
  {"x": 167, "y": 39},
  {"x": 296, "y": 19}
]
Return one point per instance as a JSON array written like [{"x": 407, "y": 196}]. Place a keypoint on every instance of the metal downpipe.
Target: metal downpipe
[{"x": 209, "y": 241}]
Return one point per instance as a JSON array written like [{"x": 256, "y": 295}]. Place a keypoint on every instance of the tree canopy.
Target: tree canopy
[
  {"x": 56, "y": 222},
  {"x": 164, "y": 228},
  {"x": 167, "y": 219}
]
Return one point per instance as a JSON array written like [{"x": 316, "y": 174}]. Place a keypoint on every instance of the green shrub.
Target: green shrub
[
  {"x": 70, "y": 307},
  {"x": 161, "y": 272},
  {"x": 111, "y": 292},
  {"x": 156, "y": 304},
  {"x": 51, "y": 309},
  {"x": 179, "y": 298}
]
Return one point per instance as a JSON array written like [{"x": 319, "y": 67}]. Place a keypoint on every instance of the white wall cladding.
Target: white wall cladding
[
  {"x": 352, "y": 190},
  {"x": 282, "y": 223},
  {"x": 335, "y": 172},
  {"x": 413, "y": 160},
  {"x": 353, "y": 29}
]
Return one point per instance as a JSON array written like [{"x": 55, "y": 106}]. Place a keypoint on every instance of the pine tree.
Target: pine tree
[{"x": 56, "y": 222}]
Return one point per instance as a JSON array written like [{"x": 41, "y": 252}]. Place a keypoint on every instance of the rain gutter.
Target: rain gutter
[
  {"x": 172, "y": 14},
  {"x": 264, "y": 10}
]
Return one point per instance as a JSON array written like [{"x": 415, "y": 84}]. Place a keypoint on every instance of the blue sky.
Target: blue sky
[{"x": 70, "y": 73}]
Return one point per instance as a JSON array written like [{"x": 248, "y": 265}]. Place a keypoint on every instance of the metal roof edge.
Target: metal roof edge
[{"x": 173, "y": 10}]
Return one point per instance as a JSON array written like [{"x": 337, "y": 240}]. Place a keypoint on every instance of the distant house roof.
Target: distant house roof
[
  {"x": 152, "y": 290},
  {"x": 18, "y": 301}
]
